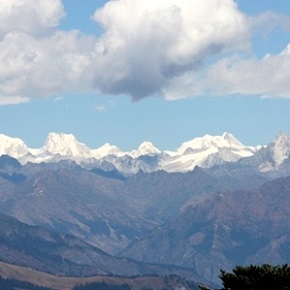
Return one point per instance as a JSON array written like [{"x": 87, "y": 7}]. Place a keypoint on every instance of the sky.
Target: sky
[{"x": 128, "y": 71}]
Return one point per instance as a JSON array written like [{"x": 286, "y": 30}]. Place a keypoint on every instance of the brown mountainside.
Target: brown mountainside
[{"x": 227, "y": 229}]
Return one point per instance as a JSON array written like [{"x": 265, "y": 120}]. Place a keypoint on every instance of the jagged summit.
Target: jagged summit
[
  {"x": 146, "y": 148},
  {"x": 233, "y": 141},
  {"x": 107, "y": 149},
  {"x": 209, "y": 142},
  {"x": 282, "y": 138},
  {"x": 205, "y": 152},
  {"x": 280, "y": 148},
  {"x": 65, "y": 145},
  {"x": 13, "y": 147}
]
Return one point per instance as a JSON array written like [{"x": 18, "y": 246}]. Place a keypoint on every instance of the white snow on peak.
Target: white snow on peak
[
  {"x": 209, "y": 142},
  {"x": 232, "y": 141},
  {"x": 65, "y": 145},
  {"x": 206, "y": 152},
  {"x": 13, "y": 147},
  {"x": 107, "y": 149},
  {"x": 146, "y": 148},
  {"x": 280, "y": 148}
]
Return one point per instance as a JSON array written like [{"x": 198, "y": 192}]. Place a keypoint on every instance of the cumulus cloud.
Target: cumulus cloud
[
  {"x": 46, "y": 67},
  {"x": 165, "y": 48},
  {"x": 268, "y": 76},
  {"x": 34, "y": 17},
  {"x": 148, "y": 43},
  {"x": 234, "y": 75},
  {"x": 36, "y": 59}
]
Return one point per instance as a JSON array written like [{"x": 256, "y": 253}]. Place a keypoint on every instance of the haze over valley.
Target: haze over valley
[
  {"x": 143, "y": 144},
  {"x": 189, "y": 221}
]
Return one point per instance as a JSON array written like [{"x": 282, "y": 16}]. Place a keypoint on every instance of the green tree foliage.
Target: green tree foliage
[{"x": 257, "y": 278}]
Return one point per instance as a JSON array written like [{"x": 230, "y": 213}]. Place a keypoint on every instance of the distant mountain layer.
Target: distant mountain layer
[
  {"x": 227, "y": 229},
  {"x": 60, "y": 254},
  {"x": 107, "y": 210},
  {"x": 28, "y": 279},
  {"x": 220, "y": 208},
  {"x": 204, "y": 152}
]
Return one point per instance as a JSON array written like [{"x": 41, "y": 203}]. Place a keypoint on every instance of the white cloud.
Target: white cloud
[
  {"x": 268, "y": 21},
  {"x": 13, "y": 100},
  {"x": 44, "y": 67},
  {"x": 267, "y": 76},
  {"x": 148, "y": 43},
  {"x": 34, "y": 17},
  {"x": 167, "y": 48}
]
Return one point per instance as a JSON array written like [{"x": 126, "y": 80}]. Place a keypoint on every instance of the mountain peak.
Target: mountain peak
[
  {"x": 280, "y": 148},
  {"x": 231, "y": 139},
  {"x": 148, "y": 146},
  {"x": 65, "y": 145},
  {"x": 209, "y": 142},
  {"x": 107, "y": 149},
  {"x": 60, "y": 137},
  {"x": 145, "y": 148},
  {"x": 13, "y": 147},
  {"x": 282, "y": 138},
  {"x": 206, "y": 152}
]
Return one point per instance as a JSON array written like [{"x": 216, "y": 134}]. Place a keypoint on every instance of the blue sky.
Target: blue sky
[{"x": 205, "y": 68}]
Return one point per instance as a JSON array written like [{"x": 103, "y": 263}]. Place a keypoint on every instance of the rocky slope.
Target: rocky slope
[
  {"x": 60, "y": 254},
  {"x": 77, "y": 202},
  {"x": 227, "y": 229},
  {"x": 203, "y": 219},
  {"x": 107, "y": 210}
]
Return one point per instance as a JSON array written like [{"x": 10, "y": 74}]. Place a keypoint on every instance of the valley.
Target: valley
[{"x": 73, "y": 217}]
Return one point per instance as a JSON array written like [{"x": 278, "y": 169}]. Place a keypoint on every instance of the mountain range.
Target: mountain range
[
  {"x": 204, "y": 152},
  {"x": 211, "y": 204},
  {"x": 226, "y": 229},
  {"x": 13, "y": 277},
  {"x": 61, "y": 254}
]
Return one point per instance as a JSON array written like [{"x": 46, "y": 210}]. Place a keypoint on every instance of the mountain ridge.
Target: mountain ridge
[
  {"x": 34, "y": 247},
  {"x": 226, "y": 229},
  {"x": 224, "y": 208},
  {"x": 42, "y": 279},
  {"x": 204, "y": 151}
]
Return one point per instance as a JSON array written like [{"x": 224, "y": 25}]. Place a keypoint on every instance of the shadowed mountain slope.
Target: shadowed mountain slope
[
  {"x": 59, "y": 254},
  {"x": 227, "y": 229}
]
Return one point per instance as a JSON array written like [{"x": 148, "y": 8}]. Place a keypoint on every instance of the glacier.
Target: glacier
[{"x": 205, "y": 152}]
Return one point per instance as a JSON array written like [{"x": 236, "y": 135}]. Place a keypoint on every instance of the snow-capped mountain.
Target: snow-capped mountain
[
  {"x": 107, "y": 149},
  {"x": 209, "y": 142},
  {"x": 13, "y": 147},
  {"x": 204, "y": 152},
  {"x": 65, "y": 145},
  {"x": 146, "y": 148},
  {"x": 280, "y": 148},
  {"x": 213, "y": 142},
  {"x": 58, "y": 146},
  {"x": 273, "y": 156}
]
